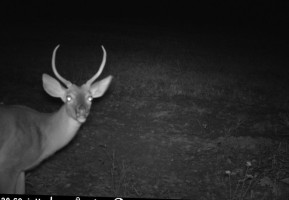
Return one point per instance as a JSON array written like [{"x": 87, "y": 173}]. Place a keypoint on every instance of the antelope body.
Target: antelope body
[{"x": 27, "y": 136}]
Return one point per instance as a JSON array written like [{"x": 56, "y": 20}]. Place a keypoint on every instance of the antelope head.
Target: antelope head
[{"x": 77, "y": 100}]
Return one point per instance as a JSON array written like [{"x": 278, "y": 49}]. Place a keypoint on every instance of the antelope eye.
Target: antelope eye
[
  {"x": 89, "y": 98},
  {"x": 68, "y": 98}
]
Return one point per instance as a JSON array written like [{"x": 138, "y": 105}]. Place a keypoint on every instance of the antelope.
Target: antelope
[{"x": 27, "y": 136}]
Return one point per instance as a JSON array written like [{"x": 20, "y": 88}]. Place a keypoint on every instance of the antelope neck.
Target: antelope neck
[{"x": 59, "y": 131}]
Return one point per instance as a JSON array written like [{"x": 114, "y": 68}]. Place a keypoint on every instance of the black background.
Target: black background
[{"x": 263, "y": 15}]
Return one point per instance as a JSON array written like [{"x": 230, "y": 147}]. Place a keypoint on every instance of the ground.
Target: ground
[{"x": 193, "y": 115}]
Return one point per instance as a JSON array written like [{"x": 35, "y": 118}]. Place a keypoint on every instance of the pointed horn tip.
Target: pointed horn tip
[
  {"x": 57, "y": 47},
  {"x": 103, "y": 48}
]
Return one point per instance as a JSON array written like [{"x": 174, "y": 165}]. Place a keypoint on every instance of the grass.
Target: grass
[{"x": 268, "y": 171}]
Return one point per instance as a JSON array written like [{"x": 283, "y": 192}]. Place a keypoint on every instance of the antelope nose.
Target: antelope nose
[{"x": 81, "y": 111}]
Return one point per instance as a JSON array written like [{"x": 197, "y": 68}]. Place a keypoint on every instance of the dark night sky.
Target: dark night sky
[{"x": 197, "y": 13}]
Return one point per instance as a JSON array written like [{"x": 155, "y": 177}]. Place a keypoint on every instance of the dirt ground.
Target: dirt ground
[{"x": 157, "y": 148}]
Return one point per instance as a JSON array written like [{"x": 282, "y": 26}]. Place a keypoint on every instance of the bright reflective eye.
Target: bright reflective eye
[
  {"x": 89, "y": 98},
  {"x": 68, "y": 98}
]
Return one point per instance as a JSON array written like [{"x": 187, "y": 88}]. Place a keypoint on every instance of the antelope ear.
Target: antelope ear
[
  {"x": 53, "y": 87},
  {"x": 98, "y": 88}
]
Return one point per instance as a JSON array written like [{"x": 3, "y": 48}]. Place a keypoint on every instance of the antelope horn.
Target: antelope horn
[
  {"x": 63, "y": 80},
  {"x": 90, "y": 81}
]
